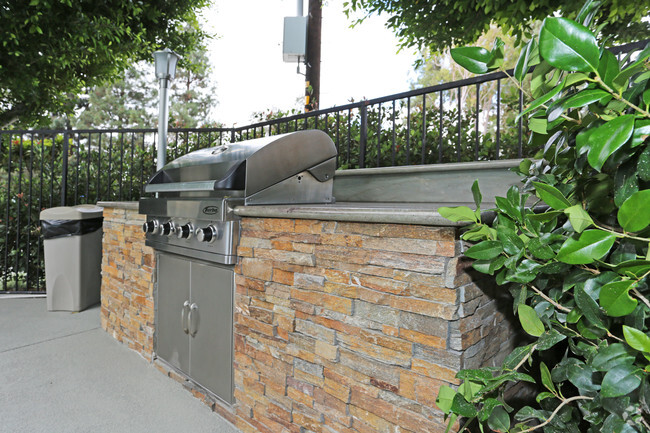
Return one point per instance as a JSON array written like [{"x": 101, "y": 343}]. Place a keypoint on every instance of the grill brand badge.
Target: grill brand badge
[{"x": 211, "y": 210}]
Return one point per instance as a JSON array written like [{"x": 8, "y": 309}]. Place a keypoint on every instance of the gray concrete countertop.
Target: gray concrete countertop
[
  {"x": 129, "y": 205},
  {"x": 392, "y": 213},
  {"x": 398, "y": 213}
]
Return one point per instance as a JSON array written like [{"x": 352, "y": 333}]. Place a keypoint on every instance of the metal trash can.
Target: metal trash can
[{"x": 73, "y": 256}]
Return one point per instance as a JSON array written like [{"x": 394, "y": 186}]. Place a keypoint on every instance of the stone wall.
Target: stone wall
[
  {"x": 127, "y": 311},
  {"x": 339, "y": 327},
  {"x": 353, "y": 327}
]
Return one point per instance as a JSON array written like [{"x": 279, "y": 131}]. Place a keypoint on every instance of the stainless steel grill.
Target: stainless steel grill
[
  {"x": 192, "y": 226},
  {"x": 196, "y": 193}
]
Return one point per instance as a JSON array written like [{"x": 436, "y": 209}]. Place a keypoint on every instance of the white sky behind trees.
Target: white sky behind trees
[{"x": 250, "y": 75}]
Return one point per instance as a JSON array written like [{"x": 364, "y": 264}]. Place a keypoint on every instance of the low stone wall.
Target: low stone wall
[
  {"x": 353, "y": 327},
  {"x": 339, "y": 326},
  {"x": 127, "y": 310}
]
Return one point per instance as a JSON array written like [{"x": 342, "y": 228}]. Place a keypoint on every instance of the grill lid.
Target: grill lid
[{"x": 289, "y": 167}]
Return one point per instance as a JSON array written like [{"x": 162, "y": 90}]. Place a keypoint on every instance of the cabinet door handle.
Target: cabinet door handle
[
  {"x": 184, "y": 317},
  {"x": 193, "y": 319}
]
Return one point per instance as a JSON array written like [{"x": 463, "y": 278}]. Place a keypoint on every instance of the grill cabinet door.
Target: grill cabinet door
[
  {"x": 173, "y": 290},
  {"x": 211, "y": 345}
]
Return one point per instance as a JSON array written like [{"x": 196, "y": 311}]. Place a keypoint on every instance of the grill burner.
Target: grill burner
[{"x": 193, "y": 214}]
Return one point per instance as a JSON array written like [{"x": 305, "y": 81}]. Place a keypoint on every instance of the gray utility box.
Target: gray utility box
[
  {"x": 294, "y": 45},
  {"x": 73, "y": 256}
]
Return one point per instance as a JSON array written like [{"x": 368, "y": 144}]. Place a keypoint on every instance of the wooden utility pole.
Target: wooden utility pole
[{"x": 312, "y": 74}]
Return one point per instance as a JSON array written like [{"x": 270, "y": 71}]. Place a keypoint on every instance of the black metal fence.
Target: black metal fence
[{"x": 468, "y": 120}]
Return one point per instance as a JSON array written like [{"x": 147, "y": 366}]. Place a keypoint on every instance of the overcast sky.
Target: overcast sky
[{"x": 251, "y": 76}]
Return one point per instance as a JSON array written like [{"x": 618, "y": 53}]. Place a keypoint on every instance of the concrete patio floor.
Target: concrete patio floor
[{"x": 60, "y": 372}]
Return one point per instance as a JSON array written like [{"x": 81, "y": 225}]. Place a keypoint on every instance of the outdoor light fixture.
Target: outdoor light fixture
[{"x": 165, "y": 71}]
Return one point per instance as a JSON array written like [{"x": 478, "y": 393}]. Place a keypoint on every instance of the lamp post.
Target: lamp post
[{"x": 165, "y": 70}]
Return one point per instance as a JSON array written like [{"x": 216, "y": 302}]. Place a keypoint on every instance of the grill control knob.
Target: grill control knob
[
  {"x": 167, "y": 229},
  {"x": 185, "y": 231},
  {"x": 150, "y": 226},
  {"x": 207, "y": 234}
]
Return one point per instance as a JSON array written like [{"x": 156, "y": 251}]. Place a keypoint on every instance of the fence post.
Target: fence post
[
  {"x": 232, "y": 135},
  {"x": 363, "y": 135},
  {"x": 64, "y": 164}
]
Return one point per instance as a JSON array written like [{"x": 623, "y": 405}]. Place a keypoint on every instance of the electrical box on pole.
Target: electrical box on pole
[{"x": 294, "y": 44}]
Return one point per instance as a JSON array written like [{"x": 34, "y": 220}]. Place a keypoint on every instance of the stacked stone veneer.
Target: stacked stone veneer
[
  {"x": 127, "y": 311},
  {"x": 353, "y": 327},
  {"x": 339, "y": 327}
]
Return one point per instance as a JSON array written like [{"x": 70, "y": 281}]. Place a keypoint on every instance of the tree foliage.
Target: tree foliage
[
  {"x": 439, "y": 24},
  {"x": 131, "y": 101},
  {"x": 54, "y": 48},
  {"x": 571, "y": 245}
]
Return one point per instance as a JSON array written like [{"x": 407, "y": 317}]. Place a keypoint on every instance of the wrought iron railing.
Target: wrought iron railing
[{"x": 467, "y": 120}]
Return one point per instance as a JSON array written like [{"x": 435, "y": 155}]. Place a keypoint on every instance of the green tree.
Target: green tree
[
  {"x": 192, "y": 93},
  {"x": 128, "y": 102},
  {"x": 439, "y": 24},
  {"x": 54, "y": 48}
]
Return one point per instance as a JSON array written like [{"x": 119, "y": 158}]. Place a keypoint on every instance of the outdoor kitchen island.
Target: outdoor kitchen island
[{"x": 347, "y": 317}]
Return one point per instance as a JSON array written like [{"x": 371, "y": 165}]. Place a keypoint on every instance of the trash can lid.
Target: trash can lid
[{"x": 79, "y": 212}]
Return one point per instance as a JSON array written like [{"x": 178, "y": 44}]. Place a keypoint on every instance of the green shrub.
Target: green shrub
[{"x": 571, "y": 245}]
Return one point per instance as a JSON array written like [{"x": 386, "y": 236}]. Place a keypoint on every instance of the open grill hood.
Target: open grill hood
[{"x": 297, "y": 167}]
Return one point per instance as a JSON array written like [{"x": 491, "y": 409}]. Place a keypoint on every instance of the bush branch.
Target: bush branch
[
  {"x": 557, "y": 409},
  {"x": 555, "y": 304}
]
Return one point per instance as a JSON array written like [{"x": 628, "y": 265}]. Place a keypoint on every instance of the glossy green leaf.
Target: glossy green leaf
[
  {"x": 538, "y": 125},
  {"x": 582, "y": 140},
  {"x": 517, "y": 355},
  {"x": 545, "y": 216},
  {"x": 458, "y": 213},
  {"x": 525, "y": 272},
  {"x": 485, "y": 250},
  {"x": 477, "y": 233},
  {"x": 636, "y": 339},
  {"x": 462, "y": 407},
  {"x": 551, "y": 196},
  {"x": 626, "y": 182},
  {"x": 521, "y": 68},
  {"x": 507, "y": 207},
  {"x": 469, "y": 389},
  {"x": 474, "y": 59},
  {"x": 608, "y": 138},
  {"x": 578, "y": 217},
  {"x": 575, "y": 78},
  {"x": 549, "y": 339},
  {"x": 476, "y": 193},
  {"x": 582, "y": 376},
  {"x": 445, "y": 398},
  {"x": 608, "y": 68},
  {"x": 512, "y": 243},
  {"x": 545, "y": 374},
  {"x": 592, "y": 245},
  {"x": 641, "y": 132},
  {"x": 574, "y": 315},
  {"x": 634, "y": 214},
  {"x": 530, "y": 321},
  {"x": 610, "y": 356},
  {"x": 633, "y": 268},
  {"x": 615, "y": 298},
  {"x": 589, "y": 307},
  {"x": 496, "y": 55},
  {"x": 587, "y": 12},
  {"x": 643, "y": 166},
  {"x": 499, "y": 420},
  {"x": 585, "y": 97},
  {"x": 488, "y": 406},
  {"x": 543, "y": 99},
  {"x": 540, "y": 250},
  {"x": 620, "y": 380},
  {"x": 568, "y": 46}
]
